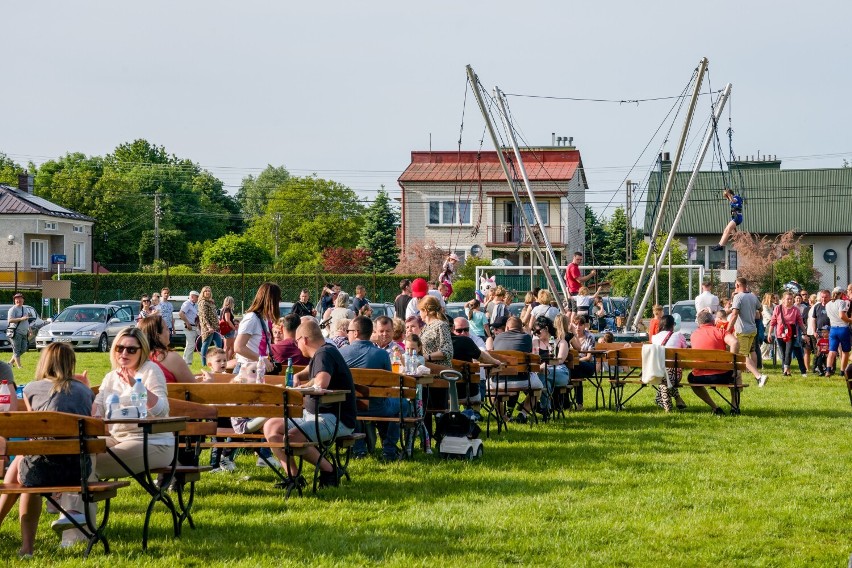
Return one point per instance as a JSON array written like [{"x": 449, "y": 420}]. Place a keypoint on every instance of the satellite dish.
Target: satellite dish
[
  {"x": 501, "y": 262},
  {"x": 476, "y": 250}
]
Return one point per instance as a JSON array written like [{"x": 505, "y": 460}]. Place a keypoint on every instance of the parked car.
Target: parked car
[
  {"x": 455, "y": 310},
  {"x": 686, "y": 310},
  {"x": 86, "y": 326},
  {"x": 35, "y": 320},
  {"x": 134, "y": 305},
  {"x": 382, "y": 309},
  {"x": 285, "y": 308}
]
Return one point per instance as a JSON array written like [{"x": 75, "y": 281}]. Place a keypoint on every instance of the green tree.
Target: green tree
[
  {"x": 173, "y": 247},
  {"x": 231, "y": 250},
  {"x": 378, "y": 233},
  {"x": 595, "y": 239},
  {"x": 624, "y": 281},
  {"x": 9, "y": 171},
  {"x": 796, "y": 265},
  {"x": 253, "y": 195},
  {"x": 305, "y": 216}
]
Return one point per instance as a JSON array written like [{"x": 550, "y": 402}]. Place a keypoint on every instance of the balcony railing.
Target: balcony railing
[{"x": 508, "y": 234}]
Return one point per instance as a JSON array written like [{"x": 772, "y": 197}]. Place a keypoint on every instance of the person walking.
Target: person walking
[
  {"x": 189, "y": 315},
  {"x": 19, "y": 324},
  {"x": 208, "y": 323}
]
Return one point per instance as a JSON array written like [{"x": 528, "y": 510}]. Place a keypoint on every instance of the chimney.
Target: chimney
[
  {"x": 571, "y": 141},
  {"x": 553, "y": 139},
  {"x": 25, "y": 183}
]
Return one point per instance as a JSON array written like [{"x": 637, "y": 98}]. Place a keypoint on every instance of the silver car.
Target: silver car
[{"x": 86, "y": 326}]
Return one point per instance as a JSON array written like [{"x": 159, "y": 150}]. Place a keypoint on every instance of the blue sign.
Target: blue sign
[{"x": 57, "y": 259}]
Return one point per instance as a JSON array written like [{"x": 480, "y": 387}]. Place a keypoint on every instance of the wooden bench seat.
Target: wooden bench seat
[
  {"x": 57, "y": 434},
  {"x": 373, "y": 383}
]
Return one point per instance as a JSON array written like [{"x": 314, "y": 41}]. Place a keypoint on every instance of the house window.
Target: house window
[
  {"x": 449, "y": 212},
  {"x": 543, "y": 211},
  {"x": 78, "y": 228},
  {"x": 79, "y": 255},
  {"x": 38, "y": 254},
  {"x": 50, "y": 225}
]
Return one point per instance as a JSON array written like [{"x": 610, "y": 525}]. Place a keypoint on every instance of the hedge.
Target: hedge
[
  {"x": 31, "y": 297},
  {"x": 98, "y": 288}
]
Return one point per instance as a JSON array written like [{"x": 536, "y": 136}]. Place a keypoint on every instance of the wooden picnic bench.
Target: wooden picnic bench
[
  {"x": 629, "y": 359},
  {"x": 376, "y": 383},
  {"x": 518, "y": 367},
  {"x": 58, "y": 434}
]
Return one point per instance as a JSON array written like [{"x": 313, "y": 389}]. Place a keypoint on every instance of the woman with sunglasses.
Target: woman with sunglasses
[
  {"x": 144, "y": 308},
  {"x": 543, "y": 331},
  {"x": 174, "y": 368}
]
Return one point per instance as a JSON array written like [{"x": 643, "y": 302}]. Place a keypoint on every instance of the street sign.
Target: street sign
[{"x": 57, "y": 259}]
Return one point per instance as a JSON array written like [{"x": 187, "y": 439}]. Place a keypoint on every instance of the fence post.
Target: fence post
[
  {"x": 16, "y": 276},
  {"x": 374, "y": 287},
  {"x": 243, "y": 285},
  {"x": 97, "y": 285}
]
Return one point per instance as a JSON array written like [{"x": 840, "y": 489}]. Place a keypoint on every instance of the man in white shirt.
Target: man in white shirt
[
  {"x": 189, "y": 314},
  {"x": 706, "y": 300}
]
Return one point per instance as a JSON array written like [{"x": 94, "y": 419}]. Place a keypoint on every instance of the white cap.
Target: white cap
[{"x": 194, "y": 293}]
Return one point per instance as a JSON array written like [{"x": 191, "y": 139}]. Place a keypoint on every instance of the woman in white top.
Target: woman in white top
[
  {"x": 668, "y": 337},
  {"x": 253, "y": 334},
  {"x": 583, "y": 300},
  {"x": 338, "y": 312},
  {"x": 544, "y": 309}
]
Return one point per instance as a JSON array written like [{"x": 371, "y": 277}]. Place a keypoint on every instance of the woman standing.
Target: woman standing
[
  {"x": 228, "y": 329},
  {"x": 144, "y": 308},
  {"x": 787, "y": 327},
  {"x": 54, "y": 389},
  {"x": 338, "y": 312},
  {"x": 438, "y": 352},
  {"x": 767, "y": 308},
  {"x": 208, "y": 323},
  {"x": 254, "y": 336},
  {"x": 174, "y": 368}
]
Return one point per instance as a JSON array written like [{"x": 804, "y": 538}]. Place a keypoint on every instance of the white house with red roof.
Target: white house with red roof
[{"x": 461, "y": 200}]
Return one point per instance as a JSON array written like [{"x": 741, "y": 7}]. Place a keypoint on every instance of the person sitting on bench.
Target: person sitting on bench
[{"x": 708, "y": 336}]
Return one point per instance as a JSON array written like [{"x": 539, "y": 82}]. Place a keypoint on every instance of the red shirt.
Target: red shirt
[
  {"x": 822, "y": 344},
  {"x": 571, "y": 278},
  {"x": 287, "y": 349},
  {"x": 708, "y": 336},
  {"x": 653, "y": 327}
]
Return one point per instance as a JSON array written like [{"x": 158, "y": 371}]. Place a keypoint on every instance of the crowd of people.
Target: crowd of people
[{"x": 339, "y": 335}]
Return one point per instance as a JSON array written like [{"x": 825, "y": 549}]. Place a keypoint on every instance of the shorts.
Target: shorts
[
  {"x": 327, "y": 423},
  {"x": 839, "y": 337},
  {"x": 230, "y": 334},
  {"x": 746, "y": 341},
  {"x": 725, "y": 378},
  {"x": 737, "y": 219}
]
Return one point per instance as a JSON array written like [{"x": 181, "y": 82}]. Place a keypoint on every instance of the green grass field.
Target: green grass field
[{"x": 636, "y": 488}]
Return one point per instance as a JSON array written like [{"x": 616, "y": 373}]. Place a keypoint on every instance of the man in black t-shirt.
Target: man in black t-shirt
[
  {"x": 304, "y": 307},
  {"x": 327, "y": 370},
  {"x": 400, "y": 303},
  {"x": 360, "y": 300}
]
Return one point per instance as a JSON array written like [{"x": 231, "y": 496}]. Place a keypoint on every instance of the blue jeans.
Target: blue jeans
[
  {"x": 214, "y": 338},
  {"x": 556, "y": 377},
  {"x": 390, "y": 431}
]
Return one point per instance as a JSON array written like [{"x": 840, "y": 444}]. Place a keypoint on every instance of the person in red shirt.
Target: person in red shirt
[
  {"x": 708, "y": 336},
  {"x": 654, "y": 324},
  {"x": 822, "y": 351},
  {"x": 573, "y": 276},
  {"x": 284, "y": 343}
]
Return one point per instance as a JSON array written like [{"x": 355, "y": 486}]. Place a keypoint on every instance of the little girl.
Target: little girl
[{"x": 413, "y": 344}]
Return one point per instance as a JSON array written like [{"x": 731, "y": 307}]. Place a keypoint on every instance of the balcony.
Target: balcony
[{"x": 513, "y": 235}]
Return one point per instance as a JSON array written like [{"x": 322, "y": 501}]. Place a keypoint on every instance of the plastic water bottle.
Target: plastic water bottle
[
  {"x": 141, "y": 397},
  {"x": 288, "y": 375},
  {"x": 5, "y": 396},
  {"x": 261, "y": 370},
  {"x": 113, "y": 406}
]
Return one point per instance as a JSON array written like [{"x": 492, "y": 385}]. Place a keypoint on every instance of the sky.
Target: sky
[{"x": 347, "y": 90}]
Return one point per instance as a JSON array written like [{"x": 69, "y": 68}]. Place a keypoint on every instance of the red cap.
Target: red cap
[{"x": 419, "y": 288}]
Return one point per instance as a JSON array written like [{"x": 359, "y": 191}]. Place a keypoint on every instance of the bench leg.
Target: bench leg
[
  {"x": 92, "y": 530},
  {"x": 185, "y": 506}
]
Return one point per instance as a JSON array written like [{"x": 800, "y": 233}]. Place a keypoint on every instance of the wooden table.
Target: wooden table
[{"x": 157, "y": 491}]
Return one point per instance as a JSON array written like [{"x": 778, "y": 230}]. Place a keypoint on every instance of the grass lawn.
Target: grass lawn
[{"x": 636, "y": 488}]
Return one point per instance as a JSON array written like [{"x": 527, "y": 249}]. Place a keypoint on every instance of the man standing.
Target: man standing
[
  {"x": 19, "y": 318},
  {"x": 327, "y": 370},
  {"x": 166, "y": 310},
  {"x": 189, "y": 315},
  {"x": 362, "y": 354},
  {"x": 419, "y": 288},
  {"x": 708, "y": 336},
  {"x": 573, "y": 277},
  {"x": 742, "y": 324},
  {"x": 304, "y": 307},
  {"x": 401, "y": 301},
  {"x": 706, "y": 301},
  {"x": 360, "y": 300}
]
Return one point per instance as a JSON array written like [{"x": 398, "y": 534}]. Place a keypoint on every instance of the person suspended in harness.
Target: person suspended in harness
[{"x": 736, "y": 202}]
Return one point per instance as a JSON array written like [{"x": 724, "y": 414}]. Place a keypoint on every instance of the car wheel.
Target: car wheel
[{"x": 103, "y": 344}]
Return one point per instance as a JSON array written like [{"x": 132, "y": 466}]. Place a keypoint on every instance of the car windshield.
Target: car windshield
[
  {"x": 88, "y": 315},
  {"x": 686, "y": 312}
]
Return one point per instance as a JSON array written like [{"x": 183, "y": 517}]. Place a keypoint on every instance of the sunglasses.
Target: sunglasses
[
  {"x": 462, "y": 330},
  {"x": 131, "y": 349}
]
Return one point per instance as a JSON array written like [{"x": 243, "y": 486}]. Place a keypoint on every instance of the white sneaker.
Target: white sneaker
[
  {"x": 272, "y": 461},
  {"x": 226, "y": 465},
  {"x": 64, "y": 523},
  {"x": 761, "y": 380},
  {"x": 804, "y": 374}
]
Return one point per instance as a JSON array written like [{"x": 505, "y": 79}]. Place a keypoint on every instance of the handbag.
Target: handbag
[{"x": 11, "y": 329}]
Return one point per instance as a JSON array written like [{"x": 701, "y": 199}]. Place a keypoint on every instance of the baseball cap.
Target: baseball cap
[
  {"x": 419, "y": 288},
  {"x": 194, "y": 293},
  {"x": 18, "y": 295}
]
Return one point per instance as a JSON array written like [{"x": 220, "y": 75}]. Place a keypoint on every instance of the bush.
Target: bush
[{"x": 463, "y": 290}]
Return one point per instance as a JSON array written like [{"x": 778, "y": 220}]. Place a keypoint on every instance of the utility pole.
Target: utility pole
[
  {"x": 156, "y": 225},
  {"x": 628, "y": 237},
  {"x": 277, "y": 218}
]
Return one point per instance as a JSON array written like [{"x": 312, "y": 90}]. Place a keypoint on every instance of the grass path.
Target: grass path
[{"x": 636, "y": 488}]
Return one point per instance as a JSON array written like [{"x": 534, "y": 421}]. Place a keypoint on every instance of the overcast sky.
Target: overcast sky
[{"x": 349, "y": 89}]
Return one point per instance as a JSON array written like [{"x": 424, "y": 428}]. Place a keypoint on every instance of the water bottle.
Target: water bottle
[
  {"x": 288, "y": 375},
  {"x": 113, "y": 406},
  {"x": 261, "y": 370},
  {"x": 141, "y": 397},
  {"x": 5, "y": 396}
]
